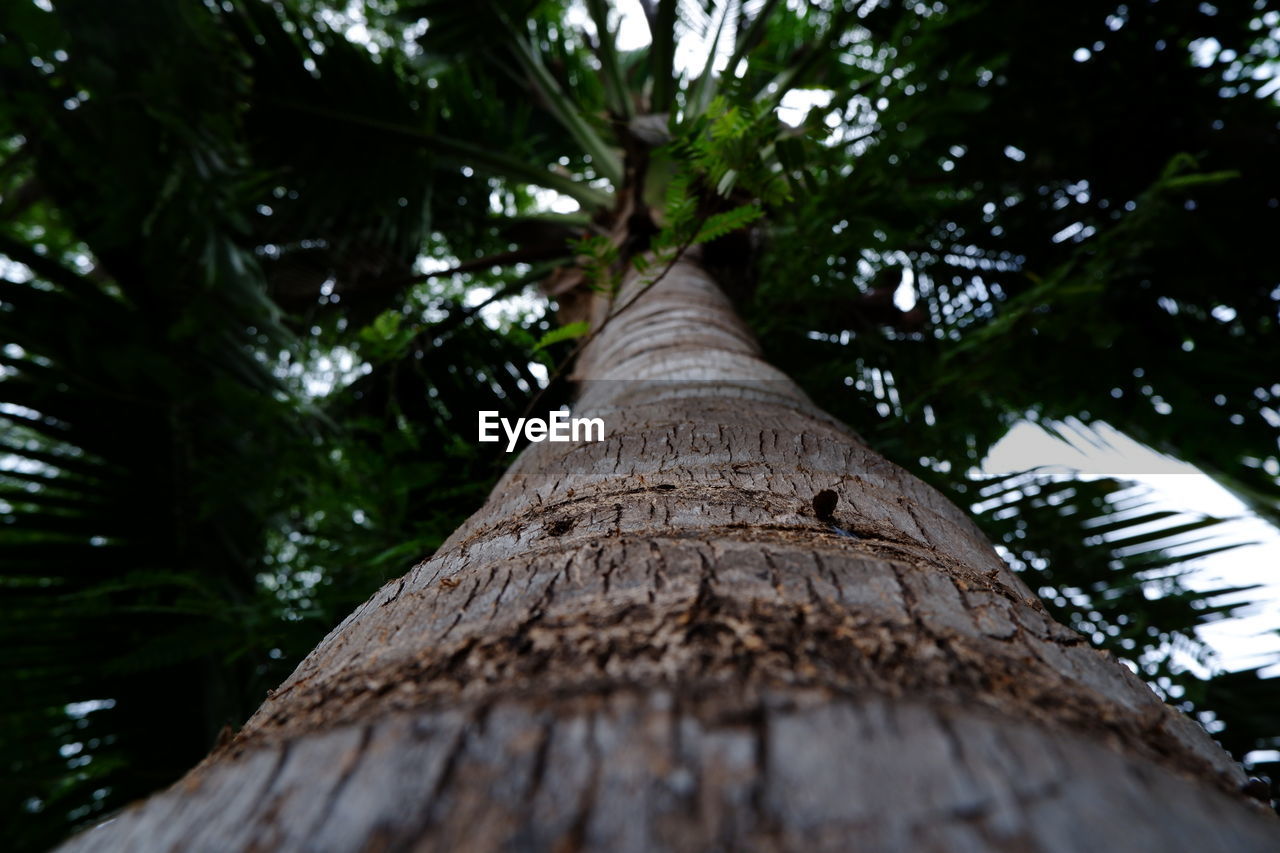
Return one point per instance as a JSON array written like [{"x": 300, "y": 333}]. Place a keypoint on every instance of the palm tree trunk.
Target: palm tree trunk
[{"x": 728, "y": 625}]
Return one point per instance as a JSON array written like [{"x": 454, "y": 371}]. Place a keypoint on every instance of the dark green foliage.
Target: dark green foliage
[
  {"x": 234, "y": 403},
  {"x": 180, "y": 523},
  {"x": 135, "y": 502},
  {"x": 1099, "y": 557}
]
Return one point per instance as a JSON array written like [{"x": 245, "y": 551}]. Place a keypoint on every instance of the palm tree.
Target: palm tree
[{"x": 732, "y": 613}]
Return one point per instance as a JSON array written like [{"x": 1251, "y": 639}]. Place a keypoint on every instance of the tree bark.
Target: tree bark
[{"x": 730, "y": 625}]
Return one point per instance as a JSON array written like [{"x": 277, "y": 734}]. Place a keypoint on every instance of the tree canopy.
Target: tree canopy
[{"x": 262, "y": 262}]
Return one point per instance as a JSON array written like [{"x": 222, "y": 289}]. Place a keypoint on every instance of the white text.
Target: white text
[{"x": 557, "y": 427}]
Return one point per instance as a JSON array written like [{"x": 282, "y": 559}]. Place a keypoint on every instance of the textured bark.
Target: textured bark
[{"x": 728, "y": 626}]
